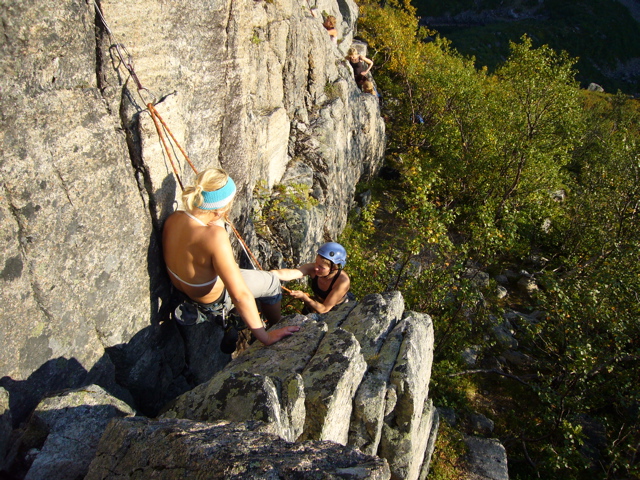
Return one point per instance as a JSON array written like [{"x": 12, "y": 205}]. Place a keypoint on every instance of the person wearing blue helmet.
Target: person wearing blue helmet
[{"x": 329, "y": 282}]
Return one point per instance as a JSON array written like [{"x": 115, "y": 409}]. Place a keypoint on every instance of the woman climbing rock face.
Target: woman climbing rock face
[
  {"x": 361, "y": 65},
  {"x": 330, "y": 25},
  {"x": 329, "y": 282},
  {"x": 201, "y": 265}
]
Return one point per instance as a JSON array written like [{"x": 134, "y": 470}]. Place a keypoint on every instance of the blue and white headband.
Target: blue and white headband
[{"x": 218, "y": 198}]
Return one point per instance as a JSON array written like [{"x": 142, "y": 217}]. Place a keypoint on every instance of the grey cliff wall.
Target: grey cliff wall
[{"x": 254, "y": 87}]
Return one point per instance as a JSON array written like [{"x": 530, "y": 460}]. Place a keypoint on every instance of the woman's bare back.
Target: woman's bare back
[{"x": 188, "y": 254}]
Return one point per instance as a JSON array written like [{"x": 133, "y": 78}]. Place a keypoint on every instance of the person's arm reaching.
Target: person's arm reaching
[
  {"x": 369, "y": 62},
  {"x": 288, "y": 274},
  {"x": 339, "y": 290},
  {"x": 228, "y": 271}
]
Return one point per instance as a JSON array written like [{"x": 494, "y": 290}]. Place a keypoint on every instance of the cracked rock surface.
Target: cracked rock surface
[{"x": 254, "y": 87}]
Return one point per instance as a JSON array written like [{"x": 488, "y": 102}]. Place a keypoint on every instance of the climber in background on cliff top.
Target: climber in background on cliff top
[
  {"x": 329, "y": 282},
  {"x": 330, "y": 25},
  {"x": 201, "y": 265},
  {"x": 359, "y": 64}
]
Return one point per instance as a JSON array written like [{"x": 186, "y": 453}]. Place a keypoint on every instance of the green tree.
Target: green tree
[
  {"x": 516, "y": 137},
  {"x": 485, "y": 160},
  {"x": 588, "y": 343}
]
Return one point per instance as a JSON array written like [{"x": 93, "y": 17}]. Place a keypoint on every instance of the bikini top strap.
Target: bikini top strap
[{"x": 195, "y": 218}]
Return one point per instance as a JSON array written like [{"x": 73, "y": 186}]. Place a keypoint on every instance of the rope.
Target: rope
[
  {"x": 158, "y": 122},
  {"x": 252, "y": 258},
  {"x": 127, "y": 61},
  {"x": 164, "y": 143},
  {"x": 247, "y": 251},
  {"x": 155, "y": 113},
  {"x": 121, "y": 52}
]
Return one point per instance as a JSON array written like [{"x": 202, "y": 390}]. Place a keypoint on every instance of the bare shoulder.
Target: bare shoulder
[
  {"x": 343, "y": 279},
  {"x": 214, "y": 242},
  {"x": 171, "y": 228},
  {"x": 215, "y": 235},
  {"x": 171, "y": 219}
]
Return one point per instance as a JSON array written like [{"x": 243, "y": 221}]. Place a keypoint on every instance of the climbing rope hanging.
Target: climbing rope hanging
[
  {"x": 126, "y": 61},
  {"x": 121, "y": 51},
  {"x": 161, "y": 127}
]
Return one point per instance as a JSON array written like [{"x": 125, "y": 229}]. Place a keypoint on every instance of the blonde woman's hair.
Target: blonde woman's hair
[
  {"x": 352, "y": 51},
  {"x": 367, "y": 86},
  {"x": 208, "y": 180}
]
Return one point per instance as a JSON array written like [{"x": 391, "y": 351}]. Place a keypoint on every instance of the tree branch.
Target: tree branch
[{"x": 491, "y": 370}]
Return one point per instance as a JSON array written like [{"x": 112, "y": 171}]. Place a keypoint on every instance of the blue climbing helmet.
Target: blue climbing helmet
[{"x": 334, "y": 252}]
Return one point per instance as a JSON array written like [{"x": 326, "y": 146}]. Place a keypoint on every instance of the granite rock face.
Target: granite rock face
[
  {"x": 172, "y": 449},
  {"x": 346, "y": 396},
  {"x": 356, "y": 376},
  {"x": 254, "y": 87},
  {"x": 62, "y": 435}
]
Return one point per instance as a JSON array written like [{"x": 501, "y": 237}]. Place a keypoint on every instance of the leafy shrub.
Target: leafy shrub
[{"x": 481, "y": 157}]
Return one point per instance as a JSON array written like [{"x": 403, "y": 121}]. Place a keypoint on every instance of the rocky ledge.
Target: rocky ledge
[{"x": 345, "y": 397}]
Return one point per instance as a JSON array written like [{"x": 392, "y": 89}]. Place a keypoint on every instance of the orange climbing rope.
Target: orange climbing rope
[
  {"x": 162, "y": 127},
  {"x": 159, "y": 122}
]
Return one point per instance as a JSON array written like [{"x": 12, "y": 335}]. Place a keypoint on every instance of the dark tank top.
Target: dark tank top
[
  {"x": 358, "y": 68},
  {"x": 318, "y": 292}
]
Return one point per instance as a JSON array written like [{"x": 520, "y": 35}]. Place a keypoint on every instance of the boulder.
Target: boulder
[
  {"x": 431, "y": 445},
  {"x": 313, "y": 386},
  {"x": 505, "y": 335},
  {"x": 470, "y": 355},
  {"x": 501, "y": 292},
  {"x": 176, "y": 449},
  {"x": 370, "y": 401},
  {"x": 264, "y": 383},
  {"x": 479, "y": 278},
  {"x": 518, "y": 358},
  {"x": 372, "y": 320},
  {"x": 151, "y": 366},
  {"x": 331, "y": 379},
  {"x": 528, "y": 285},
  {"x": 481, "y": 424},
  {"x": 73, "y": 423},
  {"x": 408, "y": 412},
  {"x": 487, "y": 459}
]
